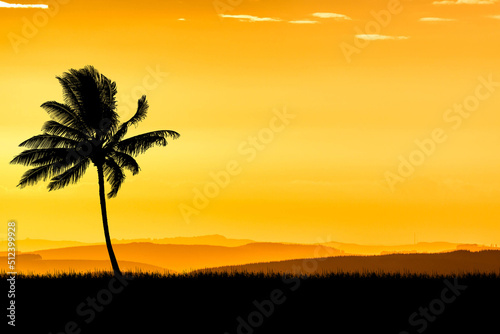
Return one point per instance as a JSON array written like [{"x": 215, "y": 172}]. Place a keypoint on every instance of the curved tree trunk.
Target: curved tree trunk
[{"x": 102, "y": 197}]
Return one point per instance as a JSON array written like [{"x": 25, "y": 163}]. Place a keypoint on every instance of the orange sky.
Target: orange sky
[{"x": 323, "y": 174}]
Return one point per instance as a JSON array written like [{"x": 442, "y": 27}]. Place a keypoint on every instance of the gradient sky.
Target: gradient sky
[{"x": 230, "y": 68}]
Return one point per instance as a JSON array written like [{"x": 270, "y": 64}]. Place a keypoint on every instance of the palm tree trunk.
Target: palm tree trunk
[{"x": 102, "y": 197}]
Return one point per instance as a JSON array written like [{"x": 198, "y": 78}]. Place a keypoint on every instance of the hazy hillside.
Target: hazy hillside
[
  {"x": 456, "y": 262},
  {"x": 190, "y": 257},
  {"x": 210, "y": 240},
  {"x": 35, "y": 264},
  {"x": 421, "y": 247},
  {"x": 30, "y": 245}
]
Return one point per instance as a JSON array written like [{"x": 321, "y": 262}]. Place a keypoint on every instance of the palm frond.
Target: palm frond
[
  {"x": 88, "y": 95},
  {"x": 141, "y": 143},
  {"x": 69, "y": 94},
  {"x": 65, "y": 115},
  {"x": 36, "y": 157},
  {"x": 140, "y": 114},
  {"x": 71, "y": 175},
  {"x": 84, "y": 88},
  {"x": 114, "y": 175},
  {"x": 57, "y": 129},
  {"x": 32, "y": 176},
  {"x": 64, "y": 158},
  {"x": 126, "y": 161},
  {"x": 108, "y": 92},
  {"x": 49, "y": 141}
]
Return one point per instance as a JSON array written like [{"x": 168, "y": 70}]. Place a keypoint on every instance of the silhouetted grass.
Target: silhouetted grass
[
  {"x": 201, "y": 275},
  {"x": 212, "y": 302}
]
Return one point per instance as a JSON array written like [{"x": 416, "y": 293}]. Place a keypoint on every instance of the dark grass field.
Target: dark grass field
[{"x": 218, "y": 303}]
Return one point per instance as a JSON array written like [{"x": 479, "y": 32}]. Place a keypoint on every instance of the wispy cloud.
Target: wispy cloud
[
  {"x": 375, "y": 37},
  {"x": 335, "y": 16},
  {"x": 465, "y": 2},
  {"x": 251, "y": 18},
  {"x": 496, "y": 17},
  {"x": 13, "y": 5},
  {"x": 303, "y": 22},
  {"x": 435, "y": 19}
]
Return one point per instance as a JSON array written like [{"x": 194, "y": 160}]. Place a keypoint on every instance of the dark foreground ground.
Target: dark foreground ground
[{"x": 255, "y": 304}]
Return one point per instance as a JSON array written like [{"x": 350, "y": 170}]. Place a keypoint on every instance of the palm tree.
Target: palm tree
[{"x": 86, "y": 129}]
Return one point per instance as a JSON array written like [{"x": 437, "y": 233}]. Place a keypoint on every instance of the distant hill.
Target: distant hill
[
  {"x": 34, "y": 264},
  {"x": 190, "y": 257},
  {"x": 210, "y": 240},
  {"x": 452, "y": 263},
  {"x": 30, "y": 245},
  {"x": 421, "y": 247}
]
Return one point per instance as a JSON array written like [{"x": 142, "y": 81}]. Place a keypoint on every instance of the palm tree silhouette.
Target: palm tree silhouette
[{"x": 86, "y": 129}]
